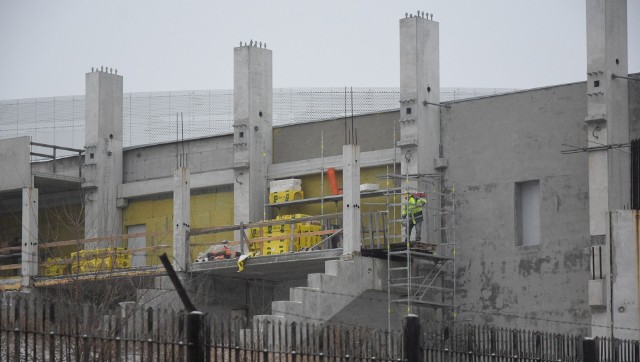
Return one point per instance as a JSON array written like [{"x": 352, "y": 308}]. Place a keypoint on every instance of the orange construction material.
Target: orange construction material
[{"x": 333, "y": 181}]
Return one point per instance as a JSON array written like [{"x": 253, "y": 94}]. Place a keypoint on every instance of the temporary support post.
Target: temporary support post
[
  {"x": 181, "y": 218},
  {"x": 29, "y": 235},
  {"x": 351, "y": 199},
  {"x": 411, "y": 339}
]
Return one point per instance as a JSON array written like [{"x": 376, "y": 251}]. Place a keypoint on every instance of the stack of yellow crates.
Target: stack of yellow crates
[
  {"x": 95, "y": 260},
  {"x": 279, "y": 246},
  {"x": 285, "y": 190}
]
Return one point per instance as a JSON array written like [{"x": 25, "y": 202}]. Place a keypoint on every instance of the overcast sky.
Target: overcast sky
[{"x": 47, "y": 46}]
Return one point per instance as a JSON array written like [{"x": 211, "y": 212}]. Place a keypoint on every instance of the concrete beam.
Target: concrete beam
[
  {"x": 29, "y": 235},
  {"x": 181, "y": 219},
  {"x": 315, "y": 165},
  {"x": 58, "y": 177},
  {"x": 165, "y": 185}
]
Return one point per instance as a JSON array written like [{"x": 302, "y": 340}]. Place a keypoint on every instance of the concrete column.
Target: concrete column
[
  {"x": 103, "y": 157},
  {"x": 351, "y": 199},
  {"x": 253, "y": 127},
  {"x": 29, "y": 235},
  {"x": 419, "y": 90},
  {"x": 181, "y": 218},
  {"x": 618, "y": 288},
  {"x": 419, "y": 111},
  {"x": 607, "y": 110}
]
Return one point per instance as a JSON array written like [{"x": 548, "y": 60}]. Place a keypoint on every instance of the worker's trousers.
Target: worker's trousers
[{"x": 417, "y": 222}]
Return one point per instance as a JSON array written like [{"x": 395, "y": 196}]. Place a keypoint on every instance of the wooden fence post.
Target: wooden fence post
[{"x": 412, "y": 338}]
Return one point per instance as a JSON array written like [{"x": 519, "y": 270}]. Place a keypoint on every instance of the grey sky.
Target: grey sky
[{"x": 47, "y": 46}]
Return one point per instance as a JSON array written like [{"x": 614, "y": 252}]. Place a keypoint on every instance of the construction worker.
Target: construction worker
[{"x": 413, "y": 206}]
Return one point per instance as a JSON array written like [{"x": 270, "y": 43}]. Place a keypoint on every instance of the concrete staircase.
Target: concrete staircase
[{"x": 328, "y": 293}]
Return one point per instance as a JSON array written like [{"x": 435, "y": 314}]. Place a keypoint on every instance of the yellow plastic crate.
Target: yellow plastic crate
[
  {"x": 54, "y": 270},
  {"x": 123, "y": 261},
  {"x": 253, "y": 233},
  {"x": 284, "y": 196},
  {"x": 280, "y": 229},
  {"x": 97, "y": 265},
  {"x": 275, "y": 247}
]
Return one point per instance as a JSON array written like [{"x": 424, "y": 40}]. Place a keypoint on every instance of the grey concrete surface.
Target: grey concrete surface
[
  {"x": 419, "y": 83},
  {"x": 14, "y": 163},
  {"x": 620, "y": 315},
  {"x": 607, "y": 110},
  {"x": 492, "y": 143},
  {"x": 103, "y": 156},
  {"x": 253, "y": 131},
  {"x": 326, "y": 294},
  {"x": 351, "y": 224},
  {"x": 158, "y": 161},
  {"x": 30, "y": 235},
  {"x": 181, "y": 218},
  {"x": 375, "y": 132}
]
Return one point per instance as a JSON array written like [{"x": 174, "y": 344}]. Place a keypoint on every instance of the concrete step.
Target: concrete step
[
  {"x": 295, "y": 294},
  {"x": 287, "y": 308}
]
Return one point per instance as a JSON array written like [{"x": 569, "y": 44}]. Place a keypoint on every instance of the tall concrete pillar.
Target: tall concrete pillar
[
  {"x": 103, "y": 156},
  {"x": 419, "y": 90},
  {"x": 181, "y": 218},
  {"x": 29, "y": 235},
  {"x": 351, "y": 199},
  {"x": 419, "y": 111},
  {"x": 253, "y": 126},
  {"x": 613, "y": 292},
  {"x": 607, "y": 110}
]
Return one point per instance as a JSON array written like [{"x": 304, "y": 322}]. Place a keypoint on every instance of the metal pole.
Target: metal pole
[
  {"x": 411, "y": 331},
  {"x": 177, "y": 284},
  {"x": 589, "y": 350},
  {"x": 195, "y": 340}
]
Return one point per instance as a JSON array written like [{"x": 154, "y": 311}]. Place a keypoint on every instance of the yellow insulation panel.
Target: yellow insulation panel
[{"x": 212, "y": 209}]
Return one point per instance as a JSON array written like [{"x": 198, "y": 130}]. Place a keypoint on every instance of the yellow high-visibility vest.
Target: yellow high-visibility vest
[{"x": 414, "y": 206}]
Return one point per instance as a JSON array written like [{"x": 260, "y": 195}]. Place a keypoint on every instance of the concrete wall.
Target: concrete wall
[
  {"x": 491, "y": 144},
  {"x": 14, "y": 163},
  {"x": 158, "y": 161},
  {"x": 303, "y": 141}
]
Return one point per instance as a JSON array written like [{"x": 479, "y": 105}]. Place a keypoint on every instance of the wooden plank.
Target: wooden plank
[
  {"x": 218, "y": 229},
  {"x": 10, "y": 267},
  {"x": 105, "y": 238}
]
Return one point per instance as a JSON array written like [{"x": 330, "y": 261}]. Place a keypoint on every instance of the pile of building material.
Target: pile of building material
[
  {"x": 285, "y": 190},
  {"x": 219, "y": 252}
]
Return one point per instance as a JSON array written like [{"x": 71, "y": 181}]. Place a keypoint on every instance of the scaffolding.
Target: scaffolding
[{"x": 422, "y": 274}]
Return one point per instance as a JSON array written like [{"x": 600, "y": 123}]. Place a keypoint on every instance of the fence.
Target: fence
[
  {"x": 38, "y": 330},
  {"x": 151, "y": 117}
]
